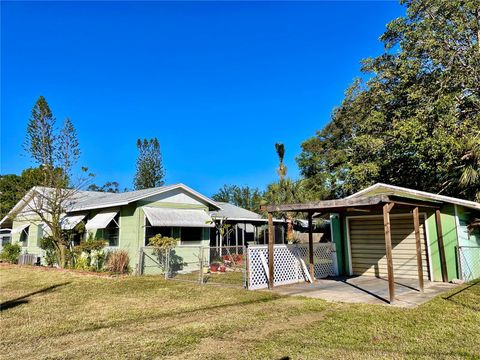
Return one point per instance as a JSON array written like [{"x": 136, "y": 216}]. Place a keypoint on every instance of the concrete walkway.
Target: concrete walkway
[{"x": 366, "y": 289}]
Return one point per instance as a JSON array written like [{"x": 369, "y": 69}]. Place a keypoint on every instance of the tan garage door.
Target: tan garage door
[{"x": 367, "y": 244}]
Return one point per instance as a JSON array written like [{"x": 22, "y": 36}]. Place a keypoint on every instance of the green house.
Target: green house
[{"x": 125, "y": 220}]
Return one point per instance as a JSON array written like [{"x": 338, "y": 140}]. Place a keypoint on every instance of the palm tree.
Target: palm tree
[
  {"x": 470, "y": 177},
  {"x": 282, "y": 169}
]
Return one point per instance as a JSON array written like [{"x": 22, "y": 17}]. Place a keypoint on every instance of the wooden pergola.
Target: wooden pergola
[{"x": 381, "y": 203}]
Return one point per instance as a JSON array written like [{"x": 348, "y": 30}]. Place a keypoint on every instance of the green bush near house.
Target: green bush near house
[
  {"x": 89, "y": 255},
  {"x": 51, "y": 256},
  {"x": 10, "y": 253}
]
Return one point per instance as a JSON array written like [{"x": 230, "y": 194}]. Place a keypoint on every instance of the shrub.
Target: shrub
[
  {"x": 89, "y": 254},
  {"x": 117, "y": 262},
  {"x": 10, "y": 253},
  {"x": 51, "y": 256},
  {"x": 162, "y": 242}
]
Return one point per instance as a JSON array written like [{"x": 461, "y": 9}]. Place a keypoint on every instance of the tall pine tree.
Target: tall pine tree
[
  {"x": 55, "y": 152},
  {"x": 150, "y": 172}
]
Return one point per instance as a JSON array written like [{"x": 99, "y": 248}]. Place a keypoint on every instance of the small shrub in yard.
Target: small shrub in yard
[
  {"x": 47, "y": 244},
  {"x": 117, "y": 262},
  {"x": 89, "y": 254},
  {"x": 161, "y": 244},
  {"x": 10, "y": 253}
]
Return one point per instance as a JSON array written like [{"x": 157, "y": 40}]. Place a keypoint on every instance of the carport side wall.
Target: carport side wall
[
  {"x": 449, "y": 232},
  {"x": 342, "y": 259}
]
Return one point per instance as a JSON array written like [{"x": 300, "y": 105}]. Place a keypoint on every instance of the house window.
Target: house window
[
  {"x": 151, "y": 231},
  {"x": 24, "y": 236},
  {"x": 191, "y": 234},
  {"x": 111, "y": 232}
]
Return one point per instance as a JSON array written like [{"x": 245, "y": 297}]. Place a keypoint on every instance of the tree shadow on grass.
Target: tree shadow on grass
[
  {"x": 24, "y": 299},
  {"x": 452, "y": 298}
]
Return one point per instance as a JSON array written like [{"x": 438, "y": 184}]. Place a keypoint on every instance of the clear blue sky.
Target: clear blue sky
[{"x": 218, "y": 83}]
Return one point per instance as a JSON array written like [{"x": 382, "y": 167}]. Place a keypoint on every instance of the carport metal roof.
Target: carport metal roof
[{"x": 352, "y": 203}]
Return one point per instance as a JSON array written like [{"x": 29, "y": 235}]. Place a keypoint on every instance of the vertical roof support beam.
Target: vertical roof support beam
[
  {"x": 441, "y": 248},
  {"x": 388, "y": 250},
  {"x": 416, "y": 225},
  {"x": 310, "y": 246},
  {"x": 271, "y": 242}
]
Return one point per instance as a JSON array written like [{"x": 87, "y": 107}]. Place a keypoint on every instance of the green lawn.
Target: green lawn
[{"x": 48, "y": 314}]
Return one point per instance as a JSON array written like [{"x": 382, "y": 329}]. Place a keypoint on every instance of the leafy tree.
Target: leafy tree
[
  {"x": 470, "y": 178},
  {"x": 408, "y": 123},
  {"x": 14, "y": 187},
  {"x": 109, "y": 186},
  {"x": 243, "y": 196},
  {"x": 55, "y": 152},
  {"x": 150, "y": 172},
  {"x": 9, "y": 193}
]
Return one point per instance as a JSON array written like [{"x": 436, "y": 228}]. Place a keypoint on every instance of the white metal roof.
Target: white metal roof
[
  {"x": 101, "y": 220},
  {"x": 385, "y": 189},
  {"x": 233, "y": 212},
  {"x": 105, "y": 200},
  {"x": 177, "y": 217},
  {"x": 90, "y": 200}
]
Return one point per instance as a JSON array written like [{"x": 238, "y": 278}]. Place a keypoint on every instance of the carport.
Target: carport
[{"x": 381, "y": 206}]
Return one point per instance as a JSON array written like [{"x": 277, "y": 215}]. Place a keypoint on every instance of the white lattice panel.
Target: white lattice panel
[{"x": 287, "y": 267}]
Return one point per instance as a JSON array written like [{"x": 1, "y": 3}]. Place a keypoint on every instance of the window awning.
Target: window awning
[
  {"x": 19, "y": 229},
  {"x": 101, "y": 220},
  {"x": 178, "y": 217},
  {"x": 69, "y": 222}
]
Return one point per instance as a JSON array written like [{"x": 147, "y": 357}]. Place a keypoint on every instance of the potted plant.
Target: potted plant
[
  {"x": 222, "y": 268},
  {"x": 214, "y": 266}
]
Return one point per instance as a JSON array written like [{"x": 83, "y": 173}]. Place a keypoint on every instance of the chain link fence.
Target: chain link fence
[
  {"x": 198, "y": 264},
  {"x": 469, "y": 257}
]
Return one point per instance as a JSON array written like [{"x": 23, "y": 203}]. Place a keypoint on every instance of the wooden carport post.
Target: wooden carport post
[
  {"x": 310, "y": 245},
  {"x": 388, "y": 250},
  {"x": 271, "y": 241},
  {"x": 416, "y": 225},
  {"x": 441, "y": 249}
]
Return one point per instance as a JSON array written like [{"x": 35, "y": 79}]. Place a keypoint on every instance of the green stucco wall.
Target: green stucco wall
[
  {"x": 449, "y": 232},
  {"x": 35, "y": 233},
  {"x": 342, "y": 251}
]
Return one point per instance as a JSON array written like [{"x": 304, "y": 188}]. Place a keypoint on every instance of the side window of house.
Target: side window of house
[
  {"x": 24, "y": 236},
  {"x": 191, "y": 234},
  {"x": 111, "y": 232}
]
